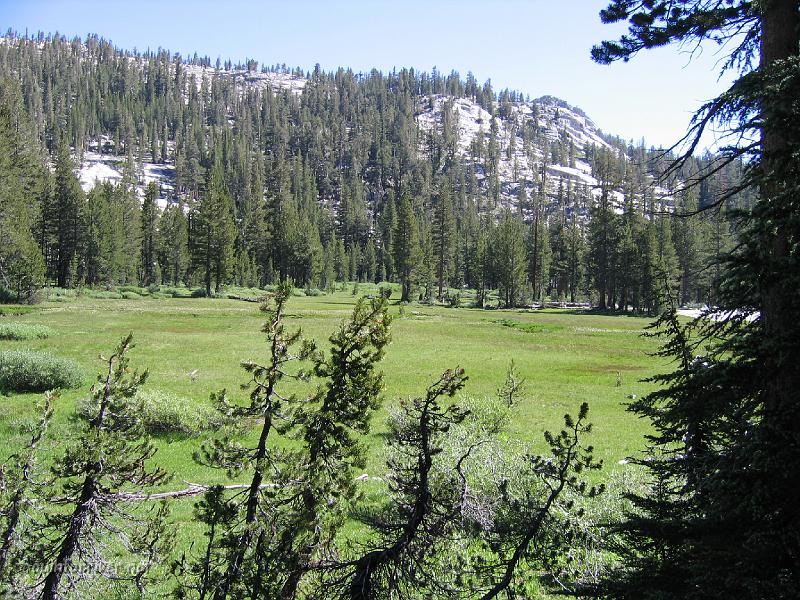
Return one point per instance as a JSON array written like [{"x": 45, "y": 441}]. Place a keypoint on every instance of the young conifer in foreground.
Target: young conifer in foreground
[
  {"x": 263, "y": 540},
  {"x": 238, "y": 526},
  {"x": 466, "y": 516},
  {"x": 88, "y": 518}
]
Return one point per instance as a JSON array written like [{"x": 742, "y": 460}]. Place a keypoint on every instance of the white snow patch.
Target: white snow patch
[
  {"x": 100, "y": 168},
  {"x": 97, "y": 171},
  {"x": 706, "y": 313}
]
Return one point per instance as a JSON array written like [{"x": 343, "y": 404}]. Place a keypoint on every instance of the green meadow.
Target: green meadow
[{"x": 194, "y": 346}]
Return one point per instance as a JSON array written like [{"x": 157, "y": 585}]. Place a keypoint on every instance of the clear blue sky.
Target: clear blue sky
[{"x": 536, "y": 46}]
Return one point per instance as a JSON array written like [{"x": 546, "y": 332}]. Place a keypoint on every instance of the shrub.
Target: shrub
[
  {"x": 133, "y": 289},
  {"x": 176, "y": 292},
  {"x": 7, "y": 296},
  {"x": 56, "y": 293},
  {"x": 24, "y": 331},
  {"x": 131, "y": 296},
  {"x": 31, "y": 371},
  {"x": 104, "y": 294},
  {"x": 309, "y": 291},
  {"x": 453, "y": 299},
  {"x": 164, "y": 413},
  {"x": 199, "y": 293}
]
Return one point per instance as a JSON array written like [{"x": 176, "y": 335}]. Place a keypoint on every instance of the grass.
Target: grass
[{"x": 567, "y": 357}]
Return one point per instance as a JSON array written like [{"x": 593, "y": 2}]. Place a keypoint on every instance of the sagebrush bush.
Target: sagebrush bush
[
  {"x": 104, "y": 294},
  {"x": 134, "y": 289},
  {"x": 32, "y": 371},
  {"x": 24, "y": 331},
  {"x": 176, "y": 292},
  {"x": 164, "y": 413}
]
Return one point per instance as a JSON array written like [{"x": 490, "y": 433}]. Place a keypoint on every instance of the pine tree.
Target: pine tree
[
  {"x": 173, "y": 240},
  {"x": 508, "y": 259},
  {"x": 260, "y": 542},
  {"x": 149, "y": 235},
  {"x": 330, "y": 425},
  {"x": 602, "y": 249},
  {"x": 236, "y": 540},
  {"x": 443, "y": 237},
  {"x": 68, "y": 205},
  {"x": 575, "y": 250},
  {"x": 22, "y": 183},
  {"x": 99, "y": 256},
  {"x": 212, "y": 233},
  {"x": 722, "y": 517},
  {"x": 539, "y": 257},
  {"x": 406, "y": 246},
  {"x": 17, "y": 496}
]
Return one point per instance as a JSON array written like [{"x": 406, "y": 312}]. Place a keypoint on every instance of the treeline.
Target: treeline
[{"x": 335, "y": 183}]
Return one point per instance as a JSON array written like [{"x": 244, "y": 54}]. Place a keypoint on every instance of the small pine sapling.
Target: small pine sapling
[
  {"x": 421, "y": 513},
  {"x": 531, "y": 523},
  {"x": 238, "y": 526},
  {"x": 330, "y": 425},
  {"x": 110, "y": 454},
  {"x": 513, "y": 385}
]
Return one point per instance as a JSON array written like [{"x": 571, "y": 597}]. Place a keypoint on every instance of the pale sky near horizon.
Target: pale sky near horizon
[{"x": 538, "y": 47}]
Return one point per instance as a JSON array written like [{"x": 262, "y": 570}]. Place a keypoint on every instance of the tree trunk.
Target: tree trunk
[
  {"x": 779, "y": 40},
  {"x": 70, "y": 543}
]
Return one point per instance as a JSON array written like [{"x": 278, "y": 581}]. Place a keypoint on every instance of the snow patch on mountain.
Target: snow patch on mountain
[
  {"x": 520, "y": 164},
  {"x": 96, "y": 167}
]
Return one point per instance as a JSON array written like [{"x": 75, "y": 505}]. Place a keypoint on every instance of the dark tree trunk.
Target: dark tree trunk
[
  {"x": 779, "y": 40},
  {"x": 69, "y": 545}
]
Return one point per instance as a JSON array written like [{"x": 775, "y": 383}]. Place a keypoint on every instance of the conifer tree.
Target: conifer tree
[
  {"x": 406, "y": 246},
  {"x": 539, "y": 257},
  {"x": 260, "y": 542},
  {"x": 212, "y": 232},
  {"x": 238, "y": 529},
  {"x": 331, "y": 424},
  {"x": 407, "y": 535},
  {"x": 16, "y": 495},
  {"x": 22, "y": 184},
  {"x": 68, "y": 204},
  {"x": 109, "y": 456},
  {"x": 721, "y": 519},
  {"x": 173, "y": 240},
  {"x": 443, "y": 237},
  {"x": 508, "y": 259},
  {"x": 99, "y": 255},
  {"x": 149, "y": 235}
]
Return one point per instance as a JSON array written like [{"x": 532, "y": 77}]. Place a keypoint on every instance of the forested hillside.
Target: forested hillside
[{"x": 121, "y": 167}]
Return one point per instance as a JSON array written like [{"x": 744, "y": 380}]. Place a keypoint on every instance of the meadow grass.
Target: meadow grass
[{"x": 566, "y": 357}]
